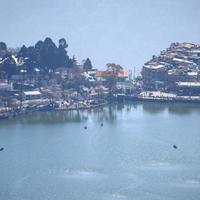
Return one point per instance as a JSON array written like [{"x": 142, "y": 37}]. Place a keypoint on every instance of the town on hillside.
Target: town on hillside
[
  {"x": 43, "y": 77},
  {"x": 175, "y": 72}
]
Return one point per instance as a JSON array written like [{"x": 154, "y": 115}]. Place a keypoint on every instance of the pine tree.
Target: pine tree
[{"x": 87, "y": 65}]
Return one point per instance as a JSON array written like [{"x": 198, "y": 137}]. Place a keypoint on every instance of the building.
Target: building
[
  {"x": 31, "y": 95},
  {"x": 153, "y": 75},
  {"x": 121, "y": 75},
  {"x": 178, "y": 63},
  {"x": 90, "y": 75},
  {"x": 6, "y": 86},
  {"x": 125, "y": 87},
  {"x": 188, "y": 88}
]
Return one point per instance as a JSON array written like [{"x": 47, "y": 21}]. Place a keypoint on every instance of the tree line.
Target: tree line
[{"x": 44, "y": 56}]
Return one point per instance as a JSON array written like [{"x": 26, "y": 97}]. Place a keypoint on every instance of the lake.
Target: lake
[{"x": 50, "y": 156}]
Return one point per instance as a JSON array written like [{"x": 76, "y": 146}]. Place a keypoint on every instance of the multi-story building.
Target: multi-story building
[
  {"x": 179, "y": 63},
  {"x": 154, "y": 76}
]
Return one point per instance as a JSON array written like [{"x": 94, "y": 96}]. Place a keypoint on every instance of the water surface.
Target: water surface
[{"x": 49, "y": 155}]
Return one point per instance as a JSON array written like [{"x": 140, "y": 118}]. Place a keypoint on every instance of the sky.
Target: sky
[{"x": 126, "y": 32}]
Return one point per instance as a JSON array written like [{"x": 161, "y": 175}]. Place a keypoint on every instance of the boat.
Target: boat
[
  {"x": 4, "y": 116},
  {"x": 1, "y": 149}
]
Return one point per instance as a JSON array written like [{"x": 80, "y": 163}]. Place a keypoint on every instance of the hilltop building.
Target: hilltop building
[{"x": 178, "y": 63}]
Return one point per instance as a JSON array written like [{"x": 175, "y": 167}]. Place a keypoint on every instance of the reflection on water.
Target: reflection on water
[
  {"x": 51, "y": 117},
  {"x": 183, "y": 109},
  {"x": 153, "y": 108},
  {"x": 176, "y": 108},
  {"x": 106, "y": 113}
]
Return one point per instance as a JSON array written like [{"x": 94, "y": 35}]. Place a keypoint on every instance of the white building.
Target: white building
[
  {"x": 31, "y": 95},
  {"x": 5, "y": 86}
]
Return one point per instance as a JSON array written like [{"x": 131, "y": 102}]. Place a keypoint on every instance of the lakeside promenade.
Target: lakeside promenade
[
  {"x": 49, "y": 105},
  {"x": 7, "y": 112},
  {"x": 166, "y": 97}
]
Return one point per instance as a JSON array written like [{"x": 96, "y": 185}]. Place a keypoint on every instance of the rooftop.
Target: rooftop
[
  {"x": 32, "y": 93},
  {"x": 183, "y": 61},
  {"x": 155, "y": 66},
  {"x": 192, "y": 73},
  {"x": 188, "y": 84}
]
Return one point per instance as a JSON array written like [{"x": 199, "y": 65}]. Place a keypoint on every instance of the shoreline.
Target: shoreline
[
  {"x": 168, "y": 100},
  {"x": 11, "y": 115},
  {"x": 157, "y": 96},
  {"x": 117, "y": 99}
]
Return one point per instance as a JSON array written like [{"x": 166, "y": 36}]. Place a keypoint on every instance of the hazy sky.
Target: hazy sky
[{"x": 127, "y": 32}]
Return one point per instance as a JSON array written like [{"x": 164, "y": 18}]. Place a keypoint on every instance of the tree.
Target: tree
[
  {"x": 3, "y": 49},
  {"x": 23, "y": 52},
  {"x": 8, "y": 65},
  {"x": 72, "y": 62},
  {"x": 112, "y": 70},
  {"x": 45, "y": 55},
  {"x": 63, "y": 43},
  {"x": 49, "y": 55},
  {"x": 38, "y": 50},
  {"x": 62, "y": 57},
  {"x": 28, "y": 59},
  {"x": 87, "y": 65},
  {"x": 33, "y": 61}
]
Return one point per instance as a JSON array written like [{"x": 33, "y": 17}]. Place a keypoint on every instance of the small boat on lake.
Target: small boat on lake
[
  {"x": 4, "y": 116},
  {"x": 1, "y": 149}
]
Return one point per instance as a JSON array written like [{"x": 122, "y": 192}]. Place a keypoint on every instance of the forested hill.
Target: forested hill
[{"x": 44, "y": 56}]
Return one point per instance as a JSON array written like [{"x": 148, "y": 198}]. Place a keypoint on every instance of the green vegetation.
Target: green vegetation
[{"x": 44, "y": 57}]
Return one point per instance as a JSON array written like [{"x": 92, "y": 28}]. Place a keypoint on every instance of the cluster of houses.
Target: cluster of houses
[
  {"x": 23, "y": 92},
  {"x": 177, "y": 69}
]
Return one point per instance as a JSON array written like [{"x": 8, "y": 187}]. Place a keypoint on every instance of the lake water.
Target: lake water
[{"x": 50, "y": 156}]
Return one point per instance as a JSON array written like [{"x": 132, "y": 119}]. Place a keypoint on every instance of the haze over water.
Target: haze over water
[
  {"x": 127, "y": 32},
  {"x": 49, "y": 155}
]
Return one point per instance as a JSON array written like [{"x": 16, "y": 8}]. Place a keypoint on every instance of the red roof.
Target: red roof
[{"x": 120, "y": 74}]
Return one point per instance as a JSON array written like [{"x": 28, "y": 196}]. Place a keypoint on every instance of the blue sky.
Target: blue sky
[{"x": 127, "y": 32}]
